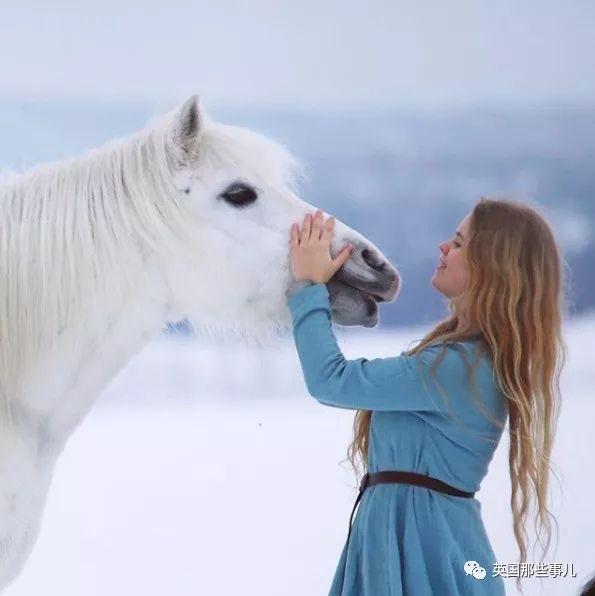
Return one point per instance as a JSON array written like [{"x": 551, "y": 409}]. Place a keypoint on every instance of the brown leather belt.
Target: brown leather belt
[{"x": 401, "y": 477}]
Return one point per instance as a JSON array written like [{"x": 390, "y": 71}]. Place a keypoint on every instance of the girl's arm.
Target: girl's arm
[{"x": 393, "y": 383}]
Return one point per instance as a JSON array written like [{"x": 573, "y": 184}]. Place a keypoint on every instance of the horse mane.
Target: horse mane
[
  {"x": 84, "y": 232},
  {"x": 65, "y": 225}
]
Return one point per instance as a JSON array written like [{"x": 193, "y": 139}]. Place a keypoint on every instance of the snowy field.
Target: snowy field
[{"x": 208, "y": 470}]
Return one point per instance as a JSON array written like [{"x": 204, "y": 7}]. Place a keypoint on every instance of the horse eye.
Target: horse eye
[{"x": 239, "y": 195}]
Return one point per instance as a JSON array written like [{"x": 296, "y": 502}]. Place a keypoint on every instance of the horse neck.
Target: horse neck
[{"x": 92, "y": 235}]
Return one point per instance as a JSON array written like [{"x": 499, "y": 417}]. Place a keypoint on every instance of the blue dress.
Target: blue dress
[{"x": 407, "y": 539}]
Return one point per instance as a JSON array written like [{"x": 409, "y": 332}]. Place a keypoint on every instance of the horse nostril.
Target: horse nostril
[{"x": 371, "y": 259}]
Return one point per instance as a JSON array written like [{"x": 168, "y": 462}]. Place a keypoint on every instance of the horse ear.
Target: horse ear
[{"x": 186, "y": 130}]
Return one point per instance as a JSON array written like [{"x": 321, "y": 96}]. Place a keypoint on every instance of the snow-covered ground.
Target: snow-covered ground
[{"x": 208, "y": 469}]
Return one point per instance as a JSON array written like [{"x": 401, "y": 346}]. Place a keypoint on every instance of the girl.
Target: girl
[{"x": 431, "y": 418}]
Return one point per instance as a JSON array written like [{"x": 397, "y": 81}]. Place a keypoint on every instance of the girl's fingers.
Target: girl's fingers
[
  {"x": 317, "y": 225},
  {"x": 327, "y": 231},
  {"x": 294, "y": 236},
  {"x": 306, "y": 228},
  {"x": 341, "y": 258}
]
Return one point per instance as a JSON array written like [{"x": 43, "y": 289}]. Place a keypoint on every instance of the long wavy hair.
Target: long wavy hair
[{"x": 516, "y": 298}]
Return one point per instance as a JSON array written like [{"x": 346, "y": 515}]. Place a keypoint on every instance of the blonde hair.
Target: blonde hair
[{"x": 515, "y": 297}]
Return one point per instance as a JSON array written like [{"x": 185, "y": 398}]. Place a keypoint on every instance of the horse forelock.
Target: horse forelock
[{"x": 232, "y": 145}]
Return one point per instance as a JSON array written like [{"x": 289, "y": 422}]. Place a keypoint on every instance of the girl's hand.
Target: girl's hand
[{"x": 310, "y": 250}]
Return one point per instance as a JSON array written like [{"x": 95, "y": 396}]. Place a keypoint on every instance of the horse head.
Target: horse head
[{"x": 240, "y": 189}]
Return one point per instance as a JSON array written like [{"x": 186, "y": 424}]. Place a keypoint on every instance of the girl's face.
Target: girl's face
[{"x": 452, "y": 279}]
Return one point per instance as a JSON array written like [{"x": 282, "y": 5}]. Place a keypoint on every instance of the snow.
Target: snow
[{"x": 208, "y": 469}]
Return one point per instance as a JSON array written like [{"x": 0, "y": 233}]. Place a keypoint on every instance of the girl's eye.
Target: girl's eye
[{"x": 456, "y": 244}]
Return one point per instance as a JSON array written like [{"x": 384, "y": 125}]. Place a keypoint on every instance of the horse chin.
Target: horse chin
[{"x": 350, "y": 306}]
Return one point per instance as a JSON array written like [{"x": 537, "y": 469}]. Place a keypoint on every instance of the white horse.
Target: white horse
[{"x": 188, "y": 218}]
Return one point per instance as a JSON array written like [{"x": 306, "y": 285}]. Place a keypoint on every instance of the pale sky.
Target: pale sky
[{"x": 301, "y": 53}]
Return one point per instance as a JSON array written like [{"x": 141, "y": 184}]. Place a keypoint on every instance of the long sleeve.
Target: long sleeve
[{"x": 393, "y": 383}]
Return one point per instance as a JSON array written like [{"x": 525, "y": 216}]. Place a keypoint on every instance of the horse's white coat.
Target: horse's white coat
[{"x": 99, "y": 251}]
